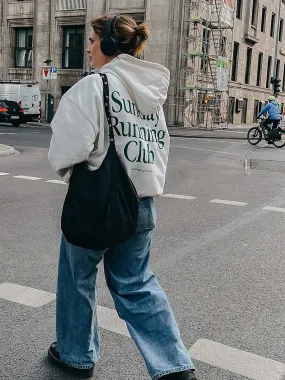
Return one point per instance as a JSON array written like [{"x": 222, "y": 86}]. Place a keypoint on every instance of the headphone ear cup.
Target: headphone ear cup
[{"x": 109, "y": 46}]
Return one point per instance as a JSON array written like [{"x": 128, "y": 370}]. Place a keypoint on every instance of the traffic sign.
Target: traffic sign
[
  {"x": 49, "y": 72},
  {"x": 53, "y": 72},
  {"x": 46, "y": 73}
]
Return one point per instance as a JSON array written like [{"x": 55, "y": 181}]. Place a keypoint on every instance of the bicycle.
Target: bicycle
[{"x": 255, "y": 134}]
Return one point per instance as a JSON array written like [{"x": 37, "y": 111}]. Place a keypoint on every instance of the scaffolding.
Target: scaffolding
[{"x": 206, "y": 53}]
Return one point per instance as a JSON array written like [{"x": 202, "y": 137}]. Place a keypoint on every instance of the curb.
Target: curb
[
  {"x": 208, "y": 137},
  {"x": 8, "y": 151}
]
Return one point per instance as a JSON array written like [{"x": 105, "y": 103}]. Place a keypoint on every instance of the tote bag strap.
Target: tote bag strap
[{"x": 106, "y": 97}]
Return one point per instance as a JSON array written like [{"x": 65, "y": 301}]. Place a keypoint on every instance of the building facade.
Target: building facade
[
  {"x": 34, "y": 31},
  {"x": 256, "y": 30}
]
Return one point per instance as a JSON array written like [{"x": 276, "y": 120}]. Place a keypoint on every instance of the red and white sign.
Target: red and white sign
[{"x": 46, "y": 73}]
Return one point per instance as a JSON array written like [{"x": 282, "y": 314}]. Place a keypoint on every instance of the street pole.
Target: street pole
[
  {"x": 277, "y": 42},
  {"x": 47, "y": 100}
]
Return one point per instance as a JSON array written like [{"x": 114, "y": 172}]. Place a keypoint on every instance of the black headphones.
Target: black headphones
[{"x": 109, "y": 42}]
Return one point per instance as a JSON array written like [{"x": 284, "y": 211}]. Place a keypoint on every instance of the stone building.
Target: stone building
[
  {"x": 256, "y": 31},
  {"x": 33, "y": 31}
]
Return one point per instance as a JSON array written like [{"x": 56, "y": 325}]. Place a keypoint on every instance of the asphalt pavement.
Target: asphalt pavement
[{"x": 218, "y": 253}]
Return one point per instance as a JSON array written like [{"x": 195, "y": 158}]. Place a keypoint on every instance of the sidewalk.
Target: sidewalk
[{"x": 6, "y": 150}]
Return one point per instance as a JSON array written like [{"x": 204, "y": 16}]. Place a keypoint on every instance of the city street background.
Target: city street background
[{"x": 218, "y": 252}]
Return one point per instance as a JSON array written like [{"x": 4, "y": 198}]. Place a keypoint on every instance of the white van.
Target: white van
[{"x": 26, "y": 94}]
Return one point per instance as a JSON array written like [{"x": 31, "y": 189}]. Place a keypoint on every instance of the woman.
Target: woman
[{"x": 138, "y": 90}]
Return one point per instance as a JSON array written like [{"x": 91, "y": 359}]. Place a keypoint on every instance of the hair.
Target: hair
[{"x": 131, "y": 36}]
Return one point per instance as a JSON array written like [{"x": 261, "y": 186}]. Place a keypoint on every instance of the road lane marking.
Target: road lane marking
[
  {"x": 225, "y": 202},
  {"x": 206, "y": 150},
  {"x": 57, "y": 181},
  {"x": 237, "y": 361},
  {"x": 1, "y": 173},
  {"x": 24, "y": 295},
  {"x": 108, "y": 319},
  {"x": 27, "y": 177},
  {"x": 276, "y": 209},
  {"x": 177, "y": 196}
]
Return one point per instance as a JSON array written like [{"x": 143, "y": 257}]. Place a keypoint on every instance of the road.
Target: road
[{"x": 218, "y": 253}]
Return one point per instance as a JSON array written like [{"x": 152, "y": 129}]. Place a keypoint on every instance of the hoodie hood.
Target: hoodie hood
[
  {"x": 274, "y": 102},
  {"x": 147, "y": 82}
]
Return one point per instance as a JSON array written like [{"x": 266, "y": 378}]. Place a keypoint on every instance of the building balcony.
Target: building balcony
[
  {"x": 20, "y": 9},
  {"x": 70, "y": 5}
]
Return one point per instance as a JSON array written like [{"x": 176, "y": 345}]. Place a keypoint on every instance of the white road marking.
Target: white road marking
[
  {"x": 177, "y": 196},
  {"x": 276, "y": 209},
  {"x": 8, "y": 133},
  {"x": 225, "y": 202},
  {"x": 57, "y": 181},
  {"x": 24, "y": 295},
  {"x": 237, "y": 361},
  {"x": 108, "y": 319},
  {"x": 27, "y": 177},
  {"x": 206, "y": 150},
  {"x": 1, "y": 173}
]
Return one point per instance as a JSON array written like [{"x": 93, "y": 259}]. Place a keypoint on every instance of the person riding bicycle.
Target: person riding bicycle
[{"x": 273, "y": 115}]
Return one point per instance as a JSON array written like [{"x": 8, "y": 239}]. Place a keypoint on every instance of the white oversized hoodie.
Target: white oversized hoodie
[{"x": 138, "y": 90}]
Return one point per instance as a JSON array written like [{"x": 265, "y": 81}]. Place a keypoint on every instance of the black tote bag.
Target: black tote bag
[{"x": 101, "y": 206}]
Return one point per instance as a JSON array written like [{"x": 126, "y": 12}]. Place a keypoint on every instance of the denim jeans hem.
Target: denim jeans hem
[
  {"x": 79, "y": 366},
  {"x": 174, "y": 370}
]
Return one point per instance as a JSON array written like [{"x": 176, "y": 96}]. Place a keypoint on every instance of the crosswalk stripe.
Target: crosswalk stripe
[
  {"x": 276, "y": 209},
  {"x": 237, "y": 361},
  {"x": 1, "y": 173},
  {"x": 108, "y": 319},
  {"x": 27, "y": 177},
  {"x": 177, "y": 196},
  {"x": 24, "y": 295},
  {"x": 225, "y": 202},
  {"x": 57, "y": 182}
]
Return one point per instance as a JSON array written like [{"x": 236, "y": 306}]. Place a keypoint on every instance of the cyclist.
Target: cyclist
[{"x": 273, "y": 115}]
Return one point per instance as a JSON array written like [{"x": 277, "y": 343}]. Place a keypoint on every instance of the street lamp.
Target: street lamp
[{"x": 47, "y": 62}]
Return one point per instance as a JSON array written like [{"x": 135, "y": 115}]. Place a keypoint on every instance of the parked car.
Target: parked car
[{"x": 11, "y": 112}]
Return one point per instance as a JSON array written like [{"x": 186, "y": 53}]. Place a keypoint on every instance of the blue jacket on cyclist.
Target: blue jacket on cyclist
[{"x": 272, "y": 108}]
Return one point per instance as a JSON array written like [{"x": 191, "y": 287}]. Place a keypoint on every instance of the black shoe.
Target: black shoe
[
  {"x": 53, "y": 355},
  {"x": 184, "y": 375}
]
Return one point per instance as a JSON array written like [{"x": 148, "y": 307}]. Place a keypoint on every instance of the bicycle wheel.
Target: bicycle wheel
[
  {"x": 254, "y": 136},
  {"x": 280, "y": 143}
]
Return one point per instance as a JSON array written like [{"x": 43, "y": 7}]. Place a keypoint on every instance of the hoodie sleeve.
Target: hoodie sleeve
[
  {"x": 73, "y": 137},
  {"x": 265, "y": 109}
]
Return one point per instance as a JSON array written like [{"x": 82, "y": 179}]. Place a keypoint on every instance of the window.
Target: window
[
  {"x": 281, "y": 26},
  {"x": 73, "y": 47},
  {"x": 268, "y": 75},
  {"x": 259, "y": 69},
  {"x": 277, "y": 68},
  {"x": 235, "y": 61},
  {"x": 248, "y": 65},
  {"x": 254, "y": 13},
  {"x": 263, "y": 19},
  {"x": 24, "y": 47},
  {"x": 283, "y": 84},
  {"x": 272, "y": 27},
  {"x": 239, "y": 9}
]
